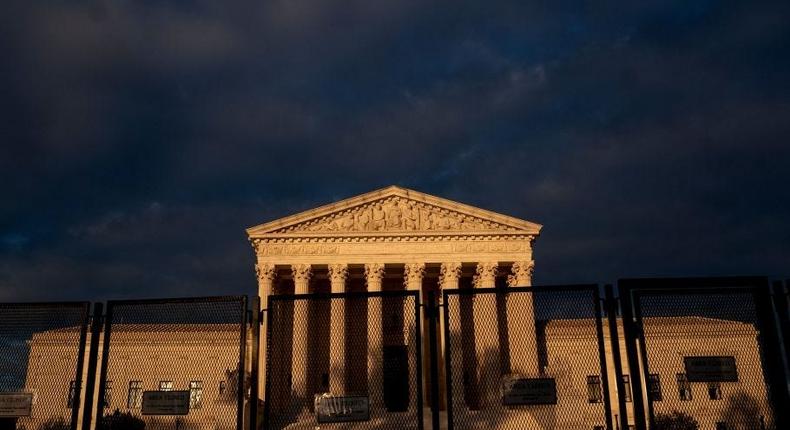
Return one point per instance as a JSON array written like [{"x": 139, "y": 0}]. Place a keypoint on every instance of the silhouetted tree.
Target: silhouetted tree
[
  {"x": 675, "y": 421},
  {"x": 742, "y": 412}
]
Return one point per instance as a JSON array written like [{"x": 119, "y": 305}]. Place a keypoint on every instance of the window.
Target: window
[
  {"x": 134, "y": 398},
  {"x": 594, "y": 393},
  {"x": 71, "y": 401},
  {"x": 165, "y": 385},
  {"x": 654, "y": 387},
  {"x": 684, "y": 387},
  {"x": 714, "y": 390},
  {"x": 107, "y": 393},
  {"x": 627, "y": 388},
  {"x": 222, "y": 388},
  {"x": 195, "y": 394}
]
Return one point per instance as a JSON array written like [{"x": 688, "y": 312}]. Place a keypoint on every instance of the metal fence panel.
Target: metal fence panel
[
  {"x": 320, "y": 374},
  {"x": 526, "y": 358},
  {"x": 41, "y": 359},
  {"x": 708, "y": 352},
  {"x": 194, "y": 345}
]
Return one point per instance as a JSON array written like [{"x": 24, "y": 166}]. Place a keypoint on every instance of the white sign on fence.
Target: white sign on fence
[
  {"x": 165, "y": 403},
  {"x": 15, "y": 404},
  {"x": 339, "y": 409}
]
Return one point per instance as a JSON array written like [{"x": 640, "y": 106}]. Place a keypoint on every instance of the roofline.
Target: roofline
[{"x": 266, "y": 228}]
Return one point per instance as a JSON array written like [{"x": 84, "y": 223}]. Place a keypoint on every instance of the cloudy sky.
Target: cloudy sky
[{"x": 138, "y": 139}]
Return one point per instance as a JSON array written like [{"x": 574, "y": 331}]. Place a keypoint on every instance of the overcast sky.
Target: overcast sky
[{"x": 140, "y": 138}]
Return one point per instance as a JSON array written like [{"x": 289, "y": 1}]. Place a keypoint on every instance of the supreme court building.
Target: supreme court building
[{"x": 385, "y": 240}]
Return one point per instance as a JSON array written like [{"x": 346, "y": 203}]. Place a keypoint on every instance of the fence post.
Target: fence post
[
  {"x": 782, "y": 307},
  {"x": 255, "y": 327},
  {"x": 90, "y": 374},
  {"x": 632, "y": 334},
  {"x": 610, "y": 302},
  {"x": 431, "y": 311},
  {"x": 242, "y": 377}
]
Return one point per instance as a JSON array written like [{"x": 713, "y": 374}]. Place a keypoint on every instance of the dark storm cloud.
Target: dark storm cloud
[{"x": 139, "y": 139}]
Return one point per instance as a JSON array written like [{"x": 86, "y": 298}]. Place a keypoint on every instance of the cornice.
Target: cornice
[{"x": 449, "y": 217}]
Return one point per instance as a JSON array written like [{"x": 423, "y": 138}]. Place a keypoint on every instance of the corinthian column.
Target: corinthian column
[
  {"x": 412, "y": 276},
  {"x": 449, "y": 276},
  {"x": 265, "y": 274},
  {"x": 374, "y": 273},
  {"x": 337, "y": 346},
  {"x": 412, "y": 281},
  {"x": 486, "y": 334},
  {"x": 301, "y": 276},
  {"x": 521, "y": 321}
]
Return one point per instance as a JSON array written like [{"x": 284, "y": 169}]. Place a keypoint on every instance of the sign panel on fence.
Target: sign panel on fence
[
  {"x": 517, "y": 390},
  {"x": 340, "y": 409},
  {"x": 711, "y": 369},
  {"x": 165, "y": 403},
  {"x": 15, "y": 404}
]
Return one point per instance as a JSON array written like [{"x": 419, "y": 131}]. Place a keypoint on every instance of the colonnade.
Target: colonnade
[{"x": 522, "y": 342}]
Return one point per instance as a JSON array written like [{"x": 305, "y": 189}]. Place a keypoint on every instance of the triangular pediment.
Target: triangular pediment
[{"x": 393, "y": 210}]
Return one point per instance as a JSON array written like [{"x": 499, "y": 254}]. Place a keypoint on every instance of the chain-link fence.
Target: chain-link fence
[
  {"x": 526, "y": 358},
  {"x": 174, "y": 364},
  {"x": 350, "y": 360},
  {"x": 42, "y": 349},
  {"x": 708, "y": 351}
]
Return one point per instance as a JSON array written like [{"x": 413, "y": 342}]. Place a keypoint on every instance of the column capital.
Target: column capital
[
  {"x": 412, "y": 275},
  {"x": 486, "y": 274},
  {"x": 521, "y": 274},
  {"x": 265, "y": 273},
  {"x": 449, "y": 274},
  {"x": 301, "y": 272},
  {"x": 374, "y": 273},
  {"x": 338, "y": 272}
]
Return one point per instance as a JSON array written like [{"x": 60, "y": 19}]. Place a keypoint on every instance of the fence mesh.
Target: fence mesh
[
  {"x": 330, "y": 350},
  {"x": 41, "y": 353},
  {"x": 499, "y": 341},
  {"x": 705, "y": 359},
  {"x": 189, "y": 345}
]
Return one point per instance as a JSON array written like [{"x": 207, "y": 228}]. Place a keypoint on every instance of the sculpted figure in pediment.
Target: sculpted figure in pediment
[
  {"x": 363, "y": 221},
  {"x": 378, "y": 218},
  {"x": 394, "y": 215},
  {"x": 347, "y": 222},
  {"x": 425, "y": 222},
  {"x": 411, "y": 217}
]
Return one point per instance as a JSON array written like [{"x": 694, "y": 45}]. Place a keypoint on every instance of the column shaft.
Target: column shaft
[
  {"x": 374, "y": 273},
  {"x": 412, "y": 281},
  {"x": 337, "y": 346},
  {"x": 449, "y": 275},
  {"x": 265, "y": 274},
  {"x": 301, "y": 276},
  {"x": 486, "y": 335},
  {"x": 521, "y": 321}
]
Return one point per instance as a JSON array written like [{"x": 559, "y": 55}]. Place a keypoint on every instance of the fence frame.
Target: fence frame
[
  {"x": 631, "y": 290},
  {"x": 111, "y": 304},
  {"x": 81, "y": 350},
  {"x": 361, "y": 294},
  {"x": 596, "y": 302}
]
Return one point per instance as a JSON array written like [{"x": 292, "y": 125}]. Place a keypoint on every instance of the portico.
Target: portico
[{"x": 388, "y": 239}]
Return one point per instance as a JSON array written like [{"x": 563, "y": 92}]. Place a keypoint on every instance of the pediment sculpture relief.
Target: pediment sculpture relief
[{"x": 396, "y": 214}]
